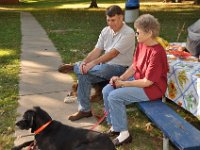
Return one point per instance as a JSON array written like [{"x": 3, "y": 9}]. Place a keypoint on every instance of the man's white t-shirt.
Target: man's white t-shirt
[{"x": 123, "y": 41}]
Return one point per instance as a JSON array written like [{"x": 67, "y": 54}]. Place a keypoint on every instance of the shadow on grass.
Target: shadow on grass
[
  {"x": 74, "y": 40},
  {"x": 9, "y": 70}
]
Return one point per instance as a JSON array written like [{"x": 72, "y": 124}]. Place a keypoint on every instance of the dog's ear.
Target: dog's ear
[
  {"x": 36, "y": 108},
  {"x": 27, "y": 121},
  {"x": 41, "y": 117},
  {"x": 30, "y": 114}
]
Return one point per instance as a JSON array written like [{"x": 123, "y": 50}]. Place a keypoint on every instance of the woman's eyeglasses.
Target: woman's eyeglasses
[{"x": 136, "y": 33}]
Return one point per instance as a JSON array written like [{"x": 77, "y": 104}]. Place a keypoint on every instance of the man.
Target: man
[{"x": 117, "y": 41}]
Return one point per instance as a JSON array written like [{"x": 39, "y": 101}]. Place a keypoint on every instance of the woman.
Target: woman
[{"x": 144, "y": 80}]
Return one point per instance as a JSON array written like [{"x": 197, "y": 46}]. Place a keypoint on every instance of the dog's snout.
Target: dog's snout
[
  {"x": 22, "y": 124},
  {"x": 19, "y": 122}
]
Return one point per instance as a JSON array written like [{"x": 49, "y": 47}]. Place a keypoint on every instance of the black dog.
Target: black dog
[{"x": 53, "y": 135}]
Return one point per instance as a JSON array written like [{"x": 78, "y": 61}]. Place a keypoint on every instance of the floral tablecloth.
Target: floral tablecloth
[{"x": 184, "y": 83}]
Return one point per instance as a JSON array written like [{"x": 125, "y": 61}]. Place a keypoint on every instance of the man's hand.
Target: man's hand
[
  {"x": 85, "y": 67},
  {"x": 81, "y": 67}
]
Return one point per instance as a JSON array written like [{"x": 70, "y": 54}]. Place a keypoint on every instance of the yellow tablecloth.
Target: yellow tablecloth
[{"x": 184, "y": 83}]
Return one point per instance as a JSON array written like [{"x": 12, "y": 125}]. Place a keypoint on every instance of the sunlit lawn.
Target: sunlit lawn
[
  {"x": 9, "y": 70},
  {"x": 74, "y": 33}
]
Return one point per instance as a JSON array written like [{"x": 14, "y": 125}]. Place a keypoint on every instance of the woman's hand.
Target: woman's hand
[
  {"x": 113, "y": 80},
  {"x": 119, "y": 83},
  {"x": 116, "y": 82}
]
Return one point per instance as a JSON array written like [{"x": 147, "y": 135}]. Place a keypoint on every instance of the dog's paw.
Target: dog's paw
[{"x": 65, "y": 68}]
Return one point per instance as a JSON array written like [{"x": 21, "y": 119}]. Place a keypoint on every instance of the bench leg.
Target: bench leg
[
  {"x": 163, "y": 99},
  {"x": 165, "y": 143},
  {"x": 165, "y": 139}
]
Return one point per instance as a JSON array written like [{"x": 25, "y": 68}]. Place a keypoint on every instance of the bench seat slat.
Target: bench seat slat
[{"x": 181, "y": 133}]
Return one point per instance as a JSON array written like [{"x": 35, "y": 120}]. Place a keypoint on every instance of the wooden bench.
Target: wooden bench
[{"x": 180, "y": 132}]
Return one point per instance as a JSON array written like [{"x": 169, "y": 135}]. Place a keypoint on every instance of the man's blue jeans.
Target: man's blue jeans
[
  {"x": 99, "y": 73},
  {"x": 115, "y": 101}
]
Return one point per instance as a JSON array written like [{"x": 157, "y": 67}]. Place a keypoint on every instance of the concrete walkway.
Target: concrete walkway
[{"x": 40, "y": 82}]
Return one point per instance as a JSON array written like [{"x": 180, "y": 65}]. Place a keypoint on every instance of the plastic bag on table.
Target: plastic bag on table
[{"x": 193, "y": 39}]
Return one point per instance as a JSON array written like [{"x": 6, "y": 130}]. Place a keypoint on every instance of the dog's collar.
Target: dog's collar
[{"x": 42, "y": 127}]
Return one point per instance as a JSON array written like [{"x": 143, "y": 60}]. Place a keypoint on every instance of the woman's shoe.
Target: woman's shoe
[
  {"x": 111, "y": 133},
  {"x": 126, "y": 141}
]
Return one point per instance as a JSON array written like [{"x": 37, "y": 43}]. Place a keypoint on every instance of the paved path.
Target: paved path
[{"x": 40, "y": 83}]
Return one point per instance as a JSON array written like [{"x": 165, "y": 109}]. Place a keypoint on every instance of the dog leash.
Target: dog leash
[
  {"x": 22, "y": 136},
  {"x": 32, "y": 146},
  {"x": 101, "y": 119},
  {"x": 42, "y": 127},
  {"x": 37, "y": 131}
]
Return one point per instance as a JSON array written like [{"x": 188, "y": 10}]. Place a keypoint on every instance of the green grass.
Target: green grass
[
  {"x": 143, "y": 139},
  {"x": 9, "y": 70},
  {"x": 75, "y": 32},
  {"x": 74, "y": 38}
]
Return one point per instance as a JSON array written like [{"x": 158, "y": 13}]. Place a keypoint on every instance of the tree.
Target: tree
[
  {"x": 197, "y": 2},
  {"x": 93, "y": 4},
  {"x": 9, "y": 1}
]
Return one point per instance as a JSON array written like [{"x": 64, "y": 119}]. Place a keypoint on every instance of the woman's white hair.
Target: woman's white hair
[{"x": 148, "y": 23}]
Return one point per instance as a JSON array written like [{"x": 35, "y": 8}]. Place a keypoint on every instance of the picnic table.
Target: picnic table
[{"x": 184, "y": 83}]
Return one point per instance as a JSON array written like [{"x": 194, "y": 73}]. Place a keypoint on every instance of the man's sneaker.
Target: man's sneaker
[
  {"x": 79, "y": 115},
  {"x": 70, "y": 99}
]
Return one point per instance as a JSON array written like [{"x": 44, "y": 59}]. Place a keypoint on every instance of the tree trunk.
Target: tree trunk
[
  {"x": 176, "y": 1},
  {"x": 93, "y": 4},
  {"x": 9, "y": 1},
  {"x": 197, "y": 2}
]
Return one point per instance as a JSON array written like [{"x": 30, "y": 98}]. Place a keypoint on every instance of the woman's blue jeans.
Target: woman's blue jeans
[
  {"x": 99, "y": 73},
  {"x": 115, "y": 101}
]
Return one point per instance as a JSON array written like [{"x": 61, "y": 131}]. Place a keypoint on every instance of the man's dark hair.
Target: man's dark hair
[{"x": 114, "y": 10}]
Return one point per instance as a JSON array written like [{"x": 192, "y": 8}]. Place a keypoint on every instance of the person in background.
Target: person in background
[
  {"x": 111, "y": 56},
  {"x": 144, "y": 80}
]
